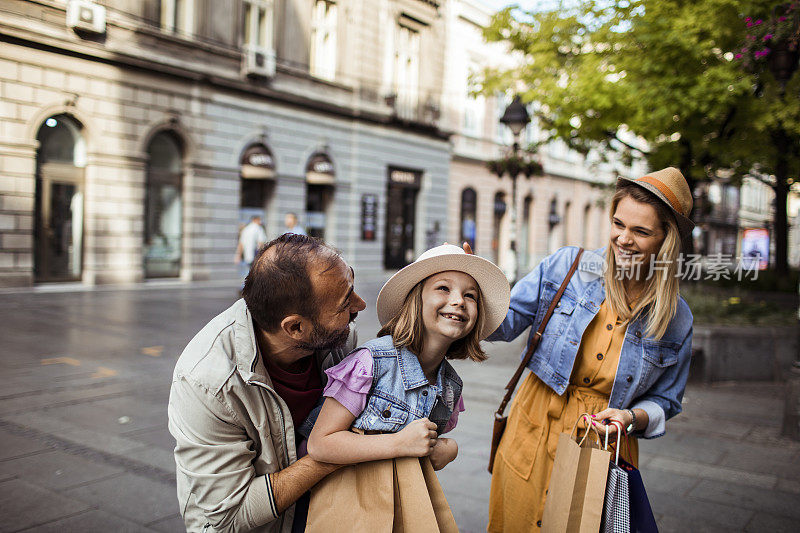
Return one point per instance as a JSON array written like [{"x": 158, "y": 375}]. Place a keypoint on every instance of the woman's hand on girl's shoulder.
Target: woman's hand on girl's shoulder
[
  {"x": 417, "y": 439},
  {"x": 444, "y": 452}
]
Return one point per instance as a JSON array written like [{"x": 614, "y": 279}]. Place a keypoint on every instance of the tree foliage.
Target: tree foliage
[{"x": 605, "y": 72}]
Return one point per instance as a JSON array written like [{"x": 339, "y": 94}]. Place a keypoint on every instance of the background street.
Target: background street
[{"x": 84, "y": 444}]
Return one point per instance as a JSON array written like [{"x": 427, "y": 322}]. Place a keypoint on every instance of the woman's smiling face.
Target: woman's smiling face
[
  {"x": 636, "y": 234},
  {"x": 449, "y": 305}
]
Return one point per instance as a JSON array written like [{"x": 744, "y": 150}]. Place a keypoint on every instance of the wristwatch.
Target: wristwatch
[{"x": 632, "y": 425}]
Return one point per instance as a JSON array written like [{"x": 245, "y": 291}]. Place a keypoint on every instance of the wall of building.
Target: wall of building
[
  {"x": 578, "y": 185},
  {"x": 139, "y": 80}
]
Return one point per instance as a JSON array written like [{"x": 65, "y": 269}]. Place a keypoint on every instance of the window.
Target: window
[
  {"x": 500, "y": 209},
  {"x": 258, "y": 24},
  {"x": 469, "y": 200},
  {"x": 587, "y": 213},
  {"x": 526, "y": 234},
  {"x": 58, "y": 215},
  {"x": 566, "y": 225},
  {"x": 323, "y": 40},
  {"x": 163, "y": 234},
  {"x": 406, "y": 71},
  {"x": 177, "y": 16},
  {"x": 473, "y": 116}
]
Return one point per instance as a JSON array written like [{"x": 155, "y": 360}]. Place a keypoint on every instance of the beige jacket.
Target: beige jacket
[{"x": 231, "y": 429}]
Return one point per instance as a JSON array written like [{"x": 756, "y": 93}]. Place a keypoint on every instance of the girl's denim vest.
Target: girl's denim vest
[{"x": 401, "y": 393}]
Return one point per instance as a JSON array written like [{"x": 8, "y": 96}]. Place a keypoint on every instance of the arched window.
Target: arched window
[
  {"x": 525, "y": 235},
  {"x": 469, "y": 203},
  {"x": 163, "y": 212},
  {"x": 586, "y": 224},
  {"x": 58, "y": 219},
  {"x": 500, "y": 209},
  {"x": 553, "y": 220}
]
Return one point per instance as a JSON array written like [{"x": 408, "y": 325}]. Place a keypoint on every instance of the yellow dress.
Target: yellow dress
[{"x": 538, "y": 415}]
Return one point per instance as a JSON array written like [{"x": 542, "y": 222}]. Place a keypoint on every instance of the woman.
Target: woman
[{"x": 617, "y": 346}]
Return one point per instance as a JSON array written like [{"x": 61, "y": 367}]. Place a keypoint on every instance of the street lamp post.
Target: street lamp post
[{"x": 516, "y": 118}]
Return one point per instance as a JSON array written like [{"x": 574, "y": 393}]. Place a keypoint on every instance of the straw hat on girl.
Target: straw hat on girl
[{"x": 495, "y": 290}]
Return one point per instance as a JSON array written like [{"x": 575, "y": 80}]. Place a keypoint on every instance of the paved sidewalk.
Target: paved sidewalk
[{"x": 84, "y": 444}]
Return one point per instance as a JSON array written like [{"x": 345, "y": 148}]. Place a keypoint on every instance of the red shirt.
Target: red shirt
[{"x": 301, "y": 391}]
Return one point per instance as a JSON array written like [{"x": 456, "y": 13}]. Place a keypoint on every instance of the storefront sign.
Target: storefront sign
[
  {"x": 257, "y": 163},
  {"x": 405, "y": 177},
  {"x": 369, "y": 216},
  {"x": 320, "y": 170}
]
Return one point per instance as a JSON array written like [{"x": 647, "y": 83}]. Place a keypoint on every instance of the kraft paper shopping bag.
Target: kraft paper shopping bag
[{"x": 574, "y": 501}]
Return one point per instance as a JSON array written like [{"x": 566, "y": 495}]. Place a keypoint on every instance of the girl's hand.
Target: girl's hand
[
  {"x": 620, "y": 415},
  {"x": 444, "y": 452},
  {"x": 416, "y": 439}
]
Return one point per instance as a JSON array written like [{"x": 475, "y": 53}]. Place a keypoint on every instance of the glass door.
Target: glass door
[{"x": 58, "y": 226}]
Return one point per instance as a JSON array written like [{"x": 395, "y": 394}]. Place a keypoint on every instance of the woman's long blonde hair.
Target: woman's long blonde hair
[{"x": 661, "y": 291}]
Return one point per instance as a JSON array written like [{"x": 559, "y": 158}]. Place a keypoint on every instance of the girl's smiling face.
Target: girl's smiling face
[
  {"x": 449, "y": 305},
  {"x": 636, "y": 233}
]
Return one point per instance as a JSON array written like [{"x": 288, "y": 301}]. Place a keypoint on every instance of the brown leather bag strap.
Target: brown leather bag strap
[{"x": 512, "y": 384}]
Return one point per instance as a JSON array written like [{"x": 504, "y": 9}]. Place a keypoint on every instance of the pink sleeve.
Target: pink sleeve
[
  {"x": 350, "y": 381},
  {"x": 451, "y": 424}
]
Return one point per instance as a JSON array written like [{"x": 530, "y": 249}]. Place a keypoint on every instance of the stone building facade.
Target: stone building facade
[
  {"x": 566, "y": 206},
  {"x": 136, "y": 136}
]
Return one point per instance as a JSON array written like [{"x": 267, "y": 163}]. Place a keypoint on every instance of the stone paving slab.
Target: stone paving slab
[
  {"x": 130, "y": 496},
  {"x": 23, "y": 505},
  {"x": 57, "y": 470},
  {"x": 157, "y": 437},
  {"x": 753, "y": 481},
  {"x": 65, "y": 430},
  {"x": 90, "y": 521},
  {"x": 676, "y": 513},
  {"x": 163, "y": 460},
  {"x": 774, "y": 502},
  {"x": 12, "y": 445},
  {"x": 762, "y": 522},
  {"x": 173, "y": 524}
]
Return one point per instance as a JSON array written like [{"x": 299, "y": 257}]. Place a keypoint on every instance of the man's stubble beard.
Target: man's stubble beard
[{"x": 325, "y": 340}]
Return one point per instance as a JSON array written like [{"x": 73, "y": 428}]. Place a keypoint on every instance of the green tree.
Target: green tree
[{"x": 605, "y": 74}]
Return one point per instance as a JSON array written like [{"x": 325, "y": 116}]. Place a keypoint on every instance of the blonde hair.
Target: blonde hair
[
  {"x": 407, "y": 328},
  {"x": 660, "y": 294}
]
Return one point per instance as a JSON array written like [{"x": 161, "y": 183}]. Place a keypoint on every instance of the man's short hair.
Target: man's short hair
[{"x": 279, "y": 283}]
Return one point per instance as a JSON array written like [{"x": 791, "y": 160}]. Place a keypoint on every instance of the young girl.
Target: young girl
[{"x": 394, "y": 396}]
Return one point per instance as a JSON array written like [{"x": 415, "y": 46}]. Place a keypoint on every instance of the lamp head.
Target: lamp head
[{"x": 516, "y": 116}]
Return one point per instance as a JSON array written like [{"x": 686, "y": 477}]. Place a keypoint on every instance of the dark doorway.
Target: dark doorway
[{"x": 401, "y": 210}]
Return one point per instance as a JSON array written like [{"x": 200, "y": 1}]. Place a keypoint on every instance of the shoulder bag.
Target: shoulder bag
[{"x": 499, "y": 419}]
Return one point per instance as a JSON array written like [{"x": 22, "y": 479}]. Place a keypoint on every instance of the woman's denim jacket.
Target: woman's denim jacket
[
  {"x": 401, "y": 393},
  {"x": 651, "y": 374}
]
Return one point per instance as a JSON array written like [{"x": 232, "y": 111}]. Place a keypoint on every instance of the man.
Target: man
[
  {"x": 292, "y": 224},
  {"x": 251, "y": 238},
  {"x": 246, "y": 382}
]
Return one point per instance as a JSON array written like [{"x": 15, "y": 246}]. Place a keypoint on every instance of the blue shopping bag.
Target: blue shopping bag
[{"x": 641, "y": 514}]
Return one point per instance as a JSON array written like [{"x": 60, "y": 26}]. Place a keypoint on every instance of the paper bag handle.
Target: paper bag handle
[
  {"x": 620, "y": 431},
  {"x": 589, "y": 426}
]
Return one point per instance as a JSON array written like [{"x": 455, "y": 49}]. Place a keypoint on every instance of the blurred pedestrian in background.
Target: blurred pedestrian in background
[
  {"x": 293, "y": 225},
  {"x": 251, "y": 238},
  {"x": 617, "y": 346}
]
